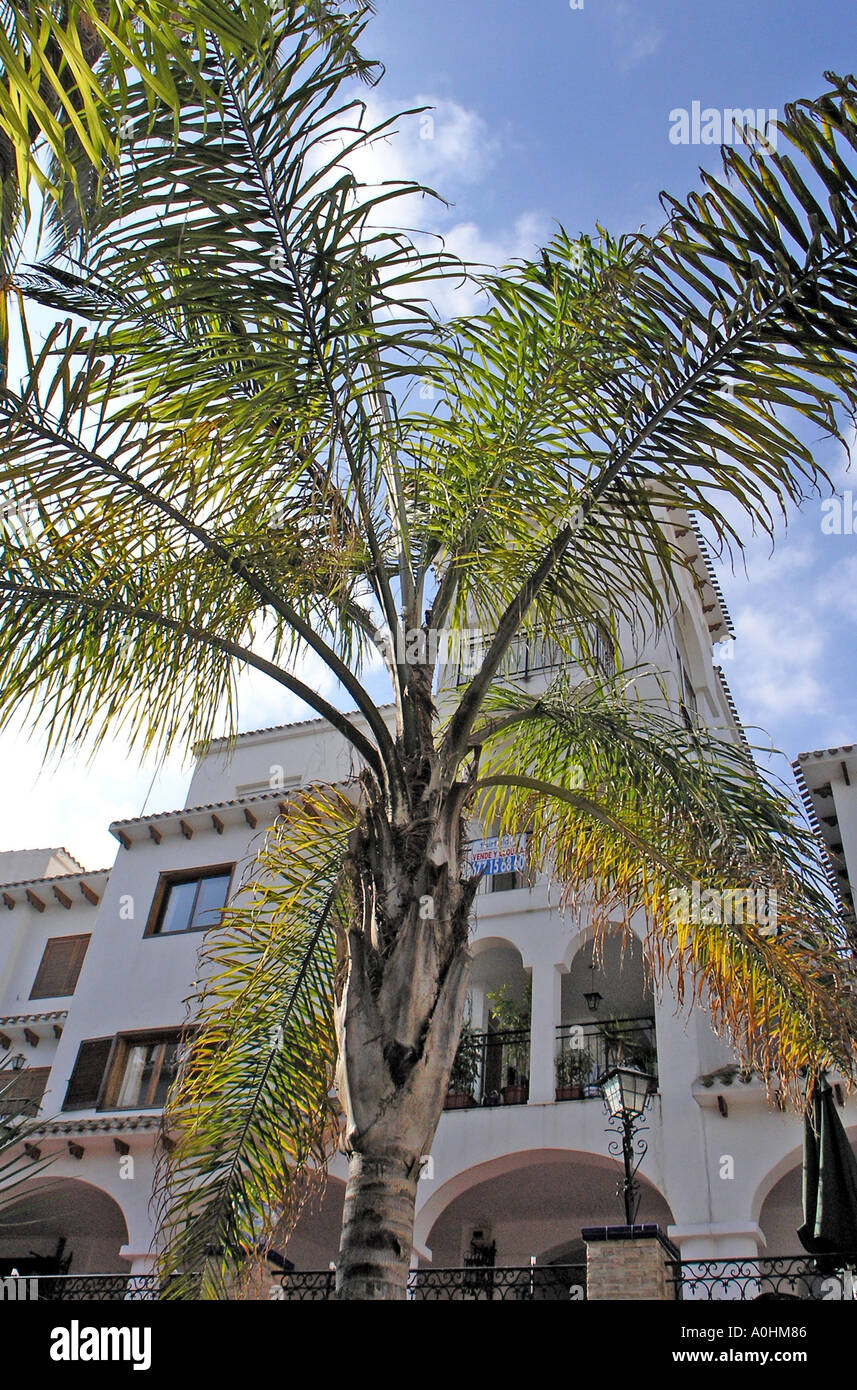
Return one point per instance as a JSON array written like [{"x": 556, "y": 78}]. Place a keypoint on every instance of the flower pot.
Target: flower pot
[
  {"x": 458, "y": 1100},
  {"x": 514, "y": 1095},
  {"x": 574, "y": 1092}
]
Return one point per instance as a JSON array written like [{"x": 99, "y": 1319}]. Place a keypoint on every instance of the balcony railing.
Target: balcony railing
[
  {"x": 531, "y": 653},
  {"x": 585, "y": 1051},
  {"x": 89, "y": 1288},
  {"x": 502, "y": 1070},
  {"x": 806, "y": 1277},
  {"x": 531, "y": 1283}
]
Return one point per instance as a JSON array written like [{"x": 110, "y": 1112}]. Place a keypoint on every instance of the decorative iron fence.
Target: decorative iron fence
[
  {"x": 540, "y": 1283},
  {"x": 585, "y": 1051},
  {"x": 87, "y": 1288},
  {"x": 304, "y": 1285},
  {"x": 817, "y": 1277},
  {"x": 502, "y": 1071}
]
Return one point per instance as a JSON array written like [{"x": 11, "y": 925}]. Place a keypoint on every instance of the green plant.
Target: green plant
[
  {"x": 465, "y": 1066},
  {"x": 573, "y": 1066},
  {"x": 509, "y": 1013}
]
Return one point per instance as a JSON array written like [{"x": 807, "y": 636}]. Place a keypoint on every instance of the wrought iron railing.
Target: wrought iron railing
[
  {"x": 502, "y": 1070},
  {"x": 471, "y": 1284},
  {"x": 607, "y": 1043},
  {"x": 304, "y": 1285},
  {"x": 533, "y": 1283},
  {"x": 530, "y": 653},
  {"x": 816, "y": 1277},
  {"x": 88, "y": 1288}
]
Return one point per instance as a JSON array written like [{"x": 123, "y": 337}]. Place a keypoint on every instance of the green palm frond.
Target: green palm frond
[
  {"x": 632, "y": 812},
  {"x": 252, "y": 1112}
]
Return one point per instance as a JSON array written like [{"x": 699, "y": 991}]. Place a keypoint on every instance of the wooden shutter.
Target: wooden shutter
[
  {"x": 85, "y": 1081},
  {"x": 60, "y": 966},
  {"x": 21, "y": 1091}
]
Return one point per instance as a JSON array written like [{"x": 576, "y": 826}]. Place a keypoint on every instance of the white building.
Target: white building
[{"x": 722, "y": 1172}]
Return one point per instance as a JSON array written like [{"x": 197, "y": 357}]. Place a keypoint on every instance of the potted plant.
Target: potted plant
[
  {"x": 512, "y": 1018},
  {"x": 465, "y": 1070},
  {"x": 573, "y": 1068}
]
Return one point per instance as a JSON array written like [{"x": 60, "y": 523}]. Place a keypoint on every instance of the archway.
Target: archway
[
  {"x": 530, "y": 1203},
  {"x": 779, "y": 1202},
  {"x": 61, "y": 1226}
]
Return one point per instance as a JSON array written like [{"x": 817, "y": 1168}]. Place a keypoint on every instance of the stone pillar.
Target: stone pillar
[
  {"x": 628, "y": 1262},
  {"x": 547, "y": 988}
]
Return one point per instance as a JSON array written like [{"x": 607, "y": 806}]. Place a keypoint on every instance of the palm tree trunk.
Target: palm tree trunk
[
  {"x": 377, "y": 1228},
  {"x": 398, "y": 1021}
]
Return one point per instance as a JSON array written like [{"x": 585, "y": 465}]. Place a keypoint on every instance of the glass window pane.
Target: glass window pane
[
  {"x": 212, "y": 897},
  {"x": 138, "y": 1070},
  {"x": 167, "y": 1074},
  {"x": 178, "y": 907}
]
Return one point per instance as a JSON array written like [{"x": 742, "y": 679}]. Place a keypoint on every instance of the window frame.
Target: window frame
[
  {"x": 114, "y": 1071},
  {"x": 173, "y": 877}
]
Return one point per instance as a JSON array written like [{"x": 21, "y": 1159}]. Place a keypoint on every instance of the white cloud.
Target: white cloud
[
  {"x": 634, "y": 37},
  {"x": 778, "y": 653}
]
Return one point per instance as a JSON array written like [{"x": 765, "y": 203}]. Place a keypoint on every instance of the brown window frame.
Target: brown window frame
[
  {"x": 176, "y": 876},
  {"x": 114, "y": 1072},
  {"x": 36, "y": 992}
]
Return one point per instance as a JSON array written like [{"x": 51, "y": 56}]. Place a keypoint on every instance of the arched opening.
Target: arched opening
[
  {"x": 607, "y": 1013},
  {"x": 531, "y": 1203},
  {"x": 781, "y": 1211},
  {"x": 61, "y": 1226},
  {"x": 492, "y": 1067}
]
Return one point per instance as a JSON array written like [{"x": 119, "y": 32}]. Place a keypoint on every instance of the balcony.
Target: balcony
[
  {"x": 530, "y": 654},
  {"x": 491, "y": 1069},
  {"x": 585, "y": 1051}
]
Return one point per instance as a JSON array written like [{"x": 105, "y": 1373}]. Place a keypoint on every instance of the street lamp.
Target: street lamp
[
  {"x": 17, "y": 1062},
  {"x": 593, "y": 999},
  {"x": 626, "y": 1091}
]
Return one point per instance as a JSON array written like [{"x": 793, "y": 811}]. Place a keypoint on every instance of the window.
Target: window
[
  {"x": 21, "y": 1091},
  {"x": 60, "y": 966},
  {"x": 143, "y": 1071},
  {"x": 131, "y": 1071},
  {"x": 189, "y": 902}
]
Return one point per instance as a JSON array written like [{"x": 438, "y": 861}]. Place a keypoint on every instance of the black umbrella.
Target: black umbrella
[{"x": 829, "y": 1179}]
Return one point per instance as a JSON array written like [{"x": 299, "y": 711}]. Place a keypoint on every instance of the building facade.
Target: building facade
[{"x": 95, "y": 970}]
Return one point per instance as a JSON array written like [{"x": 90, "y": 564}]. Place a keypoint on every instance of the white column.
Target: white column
[
  {"x": 477, "y": 1008},
  {"x": 547, "y": 987}
]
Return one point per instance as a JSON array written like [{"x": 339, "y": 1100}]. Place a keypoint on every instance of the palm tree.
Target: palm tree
[{"x": 249, "y": 336}]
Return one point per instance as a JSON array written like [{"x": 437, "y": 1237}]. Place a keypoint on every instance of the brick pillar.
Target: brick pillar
[{"x": 624, "y": 1262}]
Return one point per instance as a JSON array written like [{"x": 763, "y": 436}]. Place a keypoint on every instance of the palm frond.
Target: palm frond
[
  {"x": 632, "y": 812},
  {"x": 252, "y": 1113}
]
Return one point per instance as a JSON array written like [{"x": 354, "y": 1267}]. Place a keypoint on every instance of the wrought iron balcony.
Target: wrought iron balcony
[
  {"x": 498, "y": 1073},
  {"x": 585, "y": 1051},
  {"x": 529, "y": 654}
]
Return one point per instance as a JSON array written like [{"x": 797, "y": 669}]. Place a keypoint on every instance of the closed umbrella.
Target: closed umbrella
[{"x": 829, "y": 1179}]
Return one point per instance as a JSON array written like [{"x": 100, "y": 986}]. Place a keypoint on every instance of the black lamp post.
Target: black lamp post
[{"x": 626, "y": 1092}]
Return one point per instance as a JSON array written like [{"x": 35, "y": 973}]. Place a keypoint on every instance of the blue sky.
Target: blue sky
[{"x": 546, "y": 113}]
